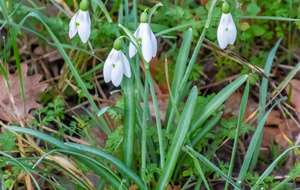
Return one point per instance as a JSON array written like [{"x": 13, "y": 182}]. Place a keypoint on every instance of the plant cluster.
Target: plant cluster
[{"x": 143, "y": 150}]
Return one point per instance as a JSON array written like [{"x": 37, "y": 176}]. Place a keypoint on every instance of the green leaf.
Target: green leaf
[
  {"x": 111, "y": 159},
  {"x": 97, "y": 169},
  {"x": 253, "y": 143},
  {"x": 178, "y": 139},
  {"x": 252, "y": 9},
  {"x": 213, "y": 167},
  {"x": 217, "y": 101},
  {"x": 256, "y": 30}
]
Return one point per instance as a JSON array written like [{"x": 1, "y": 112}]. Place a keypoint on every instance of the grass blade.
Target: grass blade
[
  {"x": 253, "y": 143},
  {"x": 19, "y": 163},
  {"x": 158, "y": 122},
  {"x": 102, "y": 6},
  {"x": 239, "y": 124},
  {"x": 178, "y": 140},
  {"x": 263, "y": 99},
  {"x": 217, "y": 101},
  {"x": 271, "y": 168},
  {"x": 178, "y": 73},
  {"x": 123, "y": 168},
  {"x": 208, "y": 126},
  {"x": 213, "y": 167},
  {"x": 98, "y": 170}
]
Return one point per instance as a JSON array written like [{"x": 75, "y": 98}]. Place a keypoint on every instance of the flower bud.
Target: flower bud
[
  {"x": 225, "y": 8},
  {"x": 144, "y": 17},
  {"x": 118, "y": 44},
  {"x": 84, "y": 5}
]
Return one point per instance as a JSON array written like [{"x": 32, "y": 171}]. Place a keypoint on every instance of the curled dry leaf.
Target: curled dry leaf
[{"x": 33, "y": 89}]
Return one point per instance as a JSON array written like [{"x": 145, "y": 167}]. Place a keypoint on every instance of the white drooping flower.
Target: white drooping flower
[
  {"x": 226, "y": 33},
  {"x": 81, "y": 23},
  {"x": 146, "y": 38},
  {"x": 116, "y": 65}
]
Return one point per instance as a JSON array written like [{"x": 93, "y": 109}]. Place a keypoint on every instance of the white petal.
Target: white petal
[
  {"x": 132, "y": 48},
  {"x": 108, "y": 65},
  {"x": 126, "y": 66},
  {"x": 72, "y": 26},
  {"x": 154, "y": 43},
  {"x": 231, "y": 31},
  {"x": 117, "y": 73},
  {"x": 147, "y": 48},
  {"x": 84, "y": 28},
  {"x": 88, "y": 18},
  {"x": 222, "y": 32}
]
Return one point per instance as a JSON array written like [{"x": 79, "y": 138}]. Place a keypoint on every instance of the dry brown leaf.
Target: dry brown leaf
[
  {"x": 65, "y": 162},
  {"x": 33, "y": 89},
  {"x": 177, "y": 187},
  {"x": 133, "y": 187},
  {"x": 274, "y": 127},
  {"x": 295, "y": 96},
  {"x": 233, "y": 103}
]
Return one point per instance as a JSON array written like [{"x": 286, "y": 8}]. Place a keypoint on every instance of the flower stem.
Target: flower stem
[
  {"x": 158, "y": 123},
  {"x": 144, "y": 132}
]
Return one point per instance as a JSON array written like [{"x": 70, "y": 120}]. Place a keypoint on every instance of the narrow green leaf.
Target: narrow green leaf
[
  {"x": 217, "y": 101},
  {"x": 239, "y": 124},
  {"x": 129, "y": 120},
  {"x": 213, "y": 167},
  {"x": 180, "y": 68},
  {"x": 207, "y": 127},
  {"x": 111, "y": 159},
  {"x": 263, "y": 99},
  {"x": 271, "y": 168},
  {"x": 19, "y": 163},
  {"x": 98, "y": 170},
  {"x": 105, "y": 109},
  {"x": 252, "y": 146},
  {"x": 178, "y": 139},
  {"x": 102, "y": 6}
]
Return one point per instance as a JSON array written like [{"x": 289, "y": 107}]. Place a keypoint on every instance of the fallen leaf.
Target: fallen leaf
[
  {"x": 275, "y": 127},
  {"x": 33, "y": 88},
  {"x": 133, "y": 187},
  {"x": 203, "y": 2},
  {"x": 295, "y": 100},
  {"x": 233, "y": 103}
]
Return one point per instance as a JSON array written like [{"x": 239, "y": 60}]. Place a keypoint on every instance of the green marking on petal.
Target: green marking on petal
[
  {"x": 114, "y": 65},
  {"x": 226, "y": 29},
  {"x": 77, "y": 24},
  {"x": 140, "y": 40}
]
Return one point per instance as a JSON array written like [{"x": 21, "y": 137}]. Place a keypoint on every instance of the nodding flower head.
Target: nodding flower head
[
  {"x": 226, "y": 33},
  {"x": 146, "y": 38},
  {"x": 116, "y": 65},
  {"x": 81, "y": 23}
]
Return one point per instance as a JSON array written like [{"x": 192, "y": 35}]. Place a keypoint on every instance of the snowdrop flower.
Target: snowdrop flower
[
  {"x": 81, "y": 23},
  {"x": 146, "y": 38},
  {"x": 116, "y": 65},
  {"x": 226, "y": 33}
]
